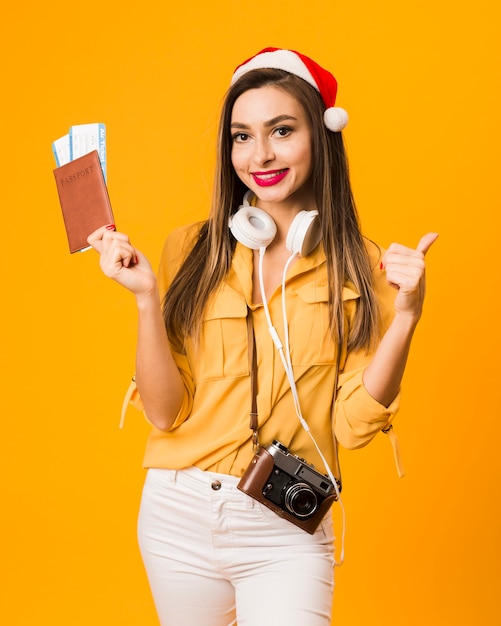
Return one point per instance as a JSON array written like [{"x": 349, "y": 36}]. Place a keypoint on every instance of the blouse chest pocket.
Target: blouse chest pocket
[
  {"x": 310, "y": 336},
  {"x": 223, "y": 342}
]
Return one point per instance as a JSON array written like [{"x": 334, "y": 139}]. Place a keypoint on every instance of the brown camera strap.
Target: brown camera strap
[{"x": 253, "y": 376}]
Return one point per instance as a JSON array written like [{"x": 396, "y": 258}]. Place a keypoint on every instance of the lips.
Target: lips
[{"x": 269, "y": 178}]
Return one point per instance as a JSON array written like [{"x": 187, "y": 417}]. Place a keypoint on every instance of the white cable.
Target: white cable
[{"x": 284, "y": 309}]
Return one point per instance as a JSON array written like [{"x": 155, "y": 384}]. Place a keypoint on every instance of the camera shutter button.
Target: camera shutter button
[{"x": 216, "y": 485}]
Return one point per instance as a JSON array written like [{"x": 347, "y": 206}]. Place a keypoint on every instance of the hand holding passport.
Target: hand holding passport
[{"x": 80, "y": 182}]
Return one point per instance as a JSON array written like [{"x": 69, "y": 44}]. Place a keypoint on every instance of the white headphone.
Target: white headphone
[{"x": 255, "y": 229}]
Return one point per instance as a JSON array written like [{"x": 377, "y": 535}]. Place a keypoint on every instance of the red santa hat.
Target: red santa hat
[{"x": 335, "y": 118}]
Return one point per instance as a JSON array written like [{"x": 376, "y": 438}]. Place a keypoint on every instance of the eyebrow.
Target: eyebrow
[{"x": 272, "y": 122}]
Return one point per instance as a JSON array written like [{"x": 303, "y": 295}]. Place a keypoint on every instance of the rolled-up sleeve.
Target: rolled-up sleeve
[{"x": 358, "y": 416}]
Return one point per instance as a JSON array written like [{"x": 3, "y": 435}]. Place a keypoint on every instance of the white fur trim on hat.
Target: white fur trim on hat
[{"x": 277, "y": 60}]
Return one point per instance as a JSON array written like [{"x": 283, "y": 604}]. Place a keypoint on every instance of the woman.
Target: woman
[{"x": 332, "y": 320}]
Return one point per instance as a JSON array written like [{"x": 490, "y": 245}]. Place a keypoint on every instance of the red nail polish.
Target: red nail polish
[
  {"x": 110, "y": 227},
  {"x": 381, "y": 266}
]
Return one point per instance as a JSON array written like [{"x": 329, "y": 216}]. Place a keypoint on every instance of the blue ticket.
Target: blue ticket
[{"x": 85, "y": 138}]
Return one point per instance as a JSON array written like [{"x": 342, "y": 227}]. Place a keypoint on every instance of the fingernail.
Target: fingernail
[
  {"x": 381, "y": 266},
  {"x": 136, "y": 261},
  {"x": 110, "y": 227}
]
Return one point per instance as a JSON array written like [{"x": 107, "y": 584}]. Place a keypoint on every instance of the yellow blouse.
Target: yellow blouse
[{"x": 212, "y": 430}]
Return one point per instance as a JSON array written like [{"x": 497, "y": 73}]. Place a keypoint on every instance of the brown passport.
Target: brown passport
[{"x": 84, "y": 199}]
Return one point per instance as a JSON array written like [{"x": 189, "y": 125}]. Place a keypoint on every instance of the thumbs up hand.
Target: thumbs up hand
[{"x": 405, "y": 271}]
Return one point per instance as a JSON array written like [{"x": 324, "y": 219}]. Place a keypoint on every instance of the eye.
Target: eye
[
  {"x": 240, "y": 137},
  {"x": 283, "y": 131}
]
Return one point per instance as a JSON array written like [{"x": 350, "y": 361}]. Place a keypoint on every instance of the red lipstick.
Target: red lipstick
[{"x": 270, "y": 177}]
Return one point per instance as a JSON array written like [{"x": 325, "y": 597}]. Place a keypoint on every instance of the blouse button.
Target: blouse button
[{"x": 216, "y": 485}]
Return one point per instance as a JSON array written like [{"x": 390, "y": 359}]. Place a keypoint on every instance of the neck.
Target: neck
[{"x": 284, "y": 212}]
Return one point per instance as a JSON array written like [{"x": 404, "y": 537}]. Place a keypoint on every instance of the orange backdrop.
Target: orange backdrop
[{"x": 421, "y": 84}]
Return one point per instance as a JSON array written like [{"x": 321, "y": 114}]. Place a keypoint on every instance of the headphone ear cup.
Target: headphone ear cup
[
  {"x": 304, "y": 233},
  {"x": 253, "y": 227}
]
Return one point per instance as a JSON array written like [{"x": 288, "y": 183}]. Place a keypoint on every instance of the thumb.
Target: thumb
[{"x": 426, "y": 242}]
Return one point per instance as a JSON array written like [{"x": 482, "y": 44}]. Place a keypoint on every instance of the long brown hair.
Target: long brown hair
[{"x": 346, "y": 255}]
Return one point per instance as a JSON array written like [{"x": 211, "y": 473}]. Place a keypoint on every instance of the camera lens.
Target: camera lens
[{"x": 300, "y": 500}]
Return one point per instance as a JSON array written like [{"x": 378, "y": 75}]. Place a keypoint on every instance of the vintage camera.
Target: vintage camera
[{"x": 289, "y": 486}]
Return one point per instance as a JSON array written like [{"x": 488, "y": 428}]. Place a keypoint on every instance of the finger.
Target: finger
[
  {"x": 95, "y": 239},
  {"x": 404, "y": 278},
  {"x": 426, "y": 242},
  {"x": 117, "y": 250},
  {"x": 119, "y": 245}
]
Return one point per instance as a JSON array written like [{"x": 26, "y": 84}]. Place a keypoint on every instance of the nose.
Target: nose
[{"x": 263, "y": 151}]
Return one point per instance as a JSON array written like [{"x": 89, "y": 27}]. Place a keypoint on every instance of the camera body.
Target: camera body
[{"x": 289, "y": 486}]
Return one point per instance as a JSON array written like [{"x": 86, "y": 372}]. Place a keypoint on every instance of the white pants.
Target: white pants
[{"x": 215, "y": 557}]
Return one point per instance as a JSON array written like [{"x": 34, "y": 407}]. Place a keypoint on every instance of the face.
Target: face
[{"x": 271, "y": 147}]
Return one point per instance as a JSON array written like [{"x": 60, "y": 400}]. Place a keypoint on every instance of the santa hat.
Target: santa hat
[{"x": 296, "y": 63}]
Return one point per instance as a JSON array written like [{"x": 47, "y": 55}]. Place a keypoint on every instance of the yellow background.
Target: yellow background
[{"x": 421, "y": 84}]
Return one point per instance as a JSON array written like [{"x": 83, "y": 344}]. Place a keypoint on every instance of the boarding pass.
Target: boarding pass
[{"x": 81, "y": 139}]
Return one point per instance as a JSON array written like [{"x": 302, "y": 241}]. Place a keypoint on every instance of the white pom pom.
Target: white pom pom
[{"x": 335, "y": 119}]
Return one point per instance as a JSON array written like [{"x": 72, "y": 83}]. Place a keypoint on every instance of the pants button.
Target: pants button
[{"x": 216, "y": 485}]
